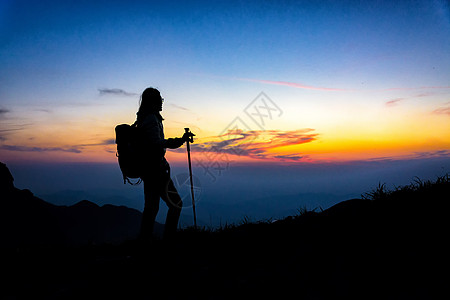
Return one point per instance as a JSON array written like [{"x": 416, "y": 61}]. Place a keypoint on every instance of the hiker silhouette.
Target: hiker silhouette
[{"x": 156, "y": 173}]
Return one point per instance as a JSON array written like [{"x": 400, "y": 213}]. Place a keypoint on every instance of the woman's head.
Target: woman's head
[{"x": 151, "y": 101}]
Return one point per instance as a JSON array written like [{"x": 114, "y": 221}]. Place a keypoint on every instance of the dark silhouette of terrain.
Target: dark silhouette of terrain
[
  {"x": 27, "y": 220},
  {"x": 387, "y": 245}
]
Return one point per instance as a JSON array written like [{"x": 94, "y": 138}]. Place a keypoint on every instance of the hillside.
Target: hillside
[
  {"x": 386, "y": 245},
  {"x": 26, "y": 220}
]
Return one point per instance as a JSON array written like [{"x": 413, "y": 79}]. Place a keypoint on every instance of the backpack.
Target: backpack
[{"x": 129, "y": 152}]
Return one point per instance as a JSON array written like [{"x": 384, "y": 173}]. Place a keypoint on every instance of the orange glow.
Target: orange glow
[{"x": 384, "y": 134}]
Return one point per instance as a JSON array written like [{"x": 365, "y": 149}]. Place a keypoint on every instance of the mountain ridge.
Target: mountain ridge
[
  {"x": 27, "y": 220},
  {"x": 384, "y": 245}
]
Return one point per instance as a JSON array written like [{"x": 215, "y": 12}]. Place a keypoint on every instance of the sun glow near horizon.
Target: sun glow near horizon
[{"x": 368, "y": 132}]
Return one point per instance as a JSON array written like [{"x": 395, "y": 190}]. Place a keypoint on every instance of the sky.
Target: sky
[{"x": 271, "y": 83}]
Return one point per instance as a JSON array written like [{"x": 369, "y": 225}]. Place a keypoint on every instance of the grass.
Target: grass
[
  {"x": 380, "y": 193},
  {"x": 418, "y": 185}
]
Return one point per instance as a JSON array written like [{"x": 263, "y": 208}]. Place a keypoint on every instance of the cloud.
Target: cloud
[
  {"x": 442, "y": 111},
  {"x": 178, "y": 106},
  {"x": 413, "y": 155},
  {"x": 445, "y": 110},
  {"x": 116, "y": 92},
  {"x": 102, "y": 143},
  {"x": 12, "y": 128},
  {"x": 332, "y": 89},
  {"x": 417, "y": 88},
  {"x": 39, "y": 149},
  {"x": 295, "y": 85},
  {"x": 424, "y": 95},
  {"x": 432, "y": 154},
  {"x": 109, "y": 142},
  {"x": 290, "y": 157},
  {"x": 49, "y": 111},
  {"x": 70, "y": 149},
  {"x": 4, "y": 111},
  {"x": 394, "y": 102},
  {"x": 257, "y": 143}
]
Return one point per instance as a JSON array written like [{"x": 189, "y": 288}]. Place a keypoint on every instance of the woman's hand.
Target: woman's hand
[{"x": 188, "y": 137}]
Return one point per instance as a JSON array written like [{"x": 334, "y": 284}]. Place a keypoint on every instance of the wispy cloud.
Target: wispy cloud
[
  {"x": 432, "y": 154},
  {"x": 39, "y": 149},
  {"x": 334, "y": 89},
  {"x": 442, "y": 111},
  {"x": 394, "y": 102},
  {"x": 11, "y": 129},
  {"x": 116, "y": 92},
  {"x": 44, "y": 110},
  {"x": 295, "y": 85},
  {"x": 258, "y": 143},
  {"x": 413, "y": 155},
  {"x": 178, "y": 106},
  {"x": 417, "y": 88},
  {"x": 69, "y": 148},
  {"x": 102, "y": 143},
  {"x": 3, "y": 132}
]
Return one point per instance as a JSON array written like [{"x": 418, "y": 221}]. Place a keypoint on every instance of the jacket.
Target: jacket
[{"x": 154, "y": 142}]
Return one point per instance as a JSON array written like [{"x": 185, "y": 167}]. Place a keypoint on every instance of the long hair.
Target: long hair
[{"x": 150, "y": 98}]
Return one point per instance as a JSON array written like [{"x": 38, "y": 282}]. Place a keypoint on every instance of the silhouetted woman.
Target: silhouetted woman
[{"x": 156, "y": 178}]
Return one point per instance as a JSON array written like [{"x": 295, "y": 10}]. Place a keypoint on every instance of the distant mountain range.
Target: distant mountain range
[{"x": 28, "y": 220}]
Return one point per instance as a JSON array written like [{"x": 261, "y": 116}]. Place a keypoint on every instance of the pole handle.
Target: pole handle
[{"x": 191, "y": 135}]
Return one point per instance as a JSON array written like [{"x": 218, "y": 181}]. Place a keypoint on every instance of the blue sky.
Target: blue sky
[{"x": 61, "y": 47}]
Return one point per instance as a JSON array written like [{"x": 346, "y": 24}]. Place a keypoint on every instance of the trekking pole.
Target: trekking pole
[{"x": 191, "y": 139}]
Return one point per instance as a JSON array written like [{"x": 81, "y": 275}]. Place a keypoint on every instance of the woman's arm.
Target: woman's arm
[{"x": 154, "y": 134}]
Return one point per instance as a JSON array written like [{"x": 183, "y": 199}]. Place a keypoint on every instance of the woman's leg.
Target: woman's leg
[
  {"x": 175, "y": 204},
  {"x": 151, "y": 207}
]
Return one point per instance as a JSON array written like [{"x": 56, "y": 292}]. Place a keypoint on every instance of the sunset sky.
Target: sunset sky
[{"x": 350, "y": 80}]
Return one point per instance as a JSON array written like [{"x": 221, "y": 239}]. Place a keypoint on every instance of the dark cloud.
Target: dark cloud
[
  {"x": 102, "y": 143},
  {"x": 108, "y": 142},
  {"x": 39, "y": 149},
  {"x": 44, "y": 110},
  {"x": 71, "y": 149},
  {"x": 4, "y": 111},
  {"x": 412, "y": 156},
  {"x": 432, "y": 154},
  {"x": 290, "y": 157},
  {"x": 116, "y": 92}
]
